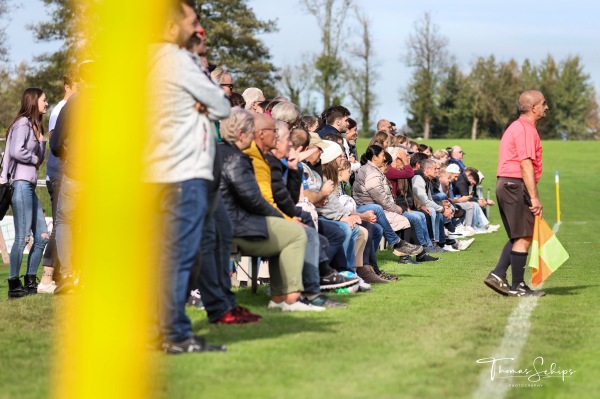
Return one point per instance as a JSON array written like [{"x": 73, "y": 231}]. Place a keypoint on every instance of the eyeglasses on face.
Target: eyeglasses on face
[{"x": 230, "y": 85}]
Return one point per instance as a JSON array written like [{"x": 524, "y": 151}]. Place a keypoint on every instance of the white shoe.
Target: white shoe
[
  {"x": 46, "y": 288},
  {"x": 479, "y": 230},
  {"x": 464, "y": 244},
  {"x": 297, "y": 306},
  {"x": 459, "y": 228},
  {"x": 449, "y": 248},
  {"x": 363, "y": 286},
  {"x": 492, "y": 227}
]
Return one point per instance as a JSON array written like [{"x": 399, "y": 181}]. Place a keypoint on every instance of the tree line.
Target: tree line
[{"x": 442, "y": 100}]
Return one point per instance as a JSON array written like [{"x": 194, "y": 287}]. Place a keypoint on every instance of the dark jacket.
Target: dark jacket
[
  {"x": 286, "y": 193},
  {"x": 461, "y": 186},
  {"x": 325, "y": 130},
  {"x": 242, "y": 197}
]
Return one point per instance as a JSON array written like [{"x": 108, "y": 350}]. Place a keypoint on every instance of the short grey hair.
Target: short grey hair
[
  {"x": 287, "y": 112},
  {"x": 251, "y": 95},
  {"x": 239, "y": 120},
  {"x": 428, "y": 163},
  {"x": 282, "y": 127}
]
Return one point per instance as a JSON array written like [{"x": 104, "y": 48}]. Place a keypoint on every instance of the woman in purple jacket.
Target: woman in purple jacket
[{"x": 25, "y": 149}]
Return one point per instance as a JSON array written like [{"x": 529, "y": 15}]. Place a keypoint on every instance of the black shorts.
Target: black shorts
[{"x": 513, "y": 204}]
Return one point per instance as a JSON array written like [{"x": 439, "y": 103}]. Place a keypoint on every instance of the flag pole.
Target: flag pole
[{"x": 556, "y": 180}]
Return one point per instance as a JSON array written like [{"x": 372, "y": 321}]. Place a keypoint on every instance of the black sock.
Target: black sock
[
  {"x": 517, "y": 263},
  {"x": 504, "y": 261}
]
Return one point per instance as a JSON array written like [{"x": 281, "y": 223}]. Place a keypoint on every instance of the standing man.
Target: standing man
[
  {"x": 184, "y": 103},
  {"x": 519, "y": 170},
  {"x": 54, "y": 171}
]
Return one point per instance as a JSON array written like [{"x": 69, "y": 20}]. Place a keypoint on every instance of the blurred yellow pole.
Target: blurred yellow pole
[
  {"x": 556, "y": 180},
  {"x": 102, "y": 330}
]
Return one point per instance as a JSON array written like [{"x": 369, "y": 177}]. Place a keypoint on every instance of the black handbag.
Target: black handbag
[{"x": 6, "y": 191}]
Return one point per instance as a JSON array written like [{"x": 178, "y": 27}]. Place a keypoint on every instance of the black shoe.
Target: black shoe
[
  {"x": 500, "y": 285},
  {"x": 407, "y": 260},
  {"x": 16, "y": 289},
  {"x": 336, "y": 280},
  {"x": 425, "y": 257},
  {"x": 30, "y": 282},
  {"x": 193, "y": 344},
  {"x": 523, "y": 290}
]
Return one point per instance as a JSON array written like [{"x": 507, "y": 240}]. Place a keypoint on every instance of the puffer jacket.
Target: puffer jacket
[
  {"x": 242, "y": 197},
  {"x": 372, "y": 187},
  {"x": 286, "y": 192}
]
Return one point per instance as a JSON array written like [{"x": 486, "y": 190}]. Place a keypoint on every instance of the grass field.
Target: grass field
[{"x": 417, "y": 338}]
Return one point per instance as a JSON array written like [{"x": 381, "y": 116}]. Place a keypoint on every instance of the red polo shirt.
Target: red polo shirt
[{"x": 520, "y": 141}]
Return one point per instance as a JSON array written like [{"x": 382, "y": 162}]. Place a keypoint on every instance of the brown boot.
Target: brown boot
[{"x": 368, "y": 274}]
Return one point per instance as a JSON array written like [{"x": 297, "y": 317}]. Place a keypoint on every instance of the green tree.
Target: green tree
[
  {"x": 427, "y": 55},
  {"x": 454, "y": 116},
  {"x": 494, "y": 90},
  {"x": 74, "y": 23},
  {"x": 360, "y": 78},
  {"x": 12, "y": 86},
  {"x": 232, "y": 28},
  {"x": 3, "y": 46},
  {"x": 575, "y": 101},
  {"x": 330, "y": 15},
  {"x": 297, "y": 83}
]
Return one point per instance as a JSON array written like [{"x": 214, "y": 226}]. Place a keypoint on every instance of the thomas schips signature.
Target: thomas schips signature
[{"x": 499, "y": 369}]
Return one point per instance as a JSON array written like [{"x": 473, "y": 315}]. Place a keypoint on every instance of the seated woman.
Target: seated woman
[
  {"x": 369, "y": 232},
  {"x": 372, "y": 188},
  {"x": 260, "y": 229},
  {"x": 381, "y": 139},
  {"x": 399, "y": 172}
]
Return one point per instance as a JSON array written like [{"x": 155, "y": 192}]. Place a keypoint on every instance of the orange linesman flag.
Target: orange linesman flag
[{"x": 547, "y": 253}]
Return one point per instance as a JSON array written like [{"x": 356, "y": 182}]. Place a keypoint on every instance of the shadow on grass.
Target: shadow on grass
[
  {"x": 274, "y": 323},
  {"x": 571, "y": 290}
]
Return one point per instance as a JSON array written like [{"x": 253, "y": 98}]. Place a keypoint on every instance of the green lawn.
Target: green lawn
[{"x": 417, "y": 338}]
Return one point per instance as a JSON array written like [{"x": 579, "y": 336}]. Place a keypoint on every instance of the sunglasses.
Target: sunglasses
[{"x": 230, "y": 85}]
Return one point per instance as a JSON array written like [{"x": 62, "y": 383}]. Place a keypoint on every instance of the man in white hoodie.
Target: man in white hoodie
[{"x": 184, "y": 103}]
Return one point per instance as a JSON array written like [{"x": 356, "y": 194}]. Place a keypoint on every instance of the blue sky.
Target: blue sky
[{"x": 507, "y": 29}]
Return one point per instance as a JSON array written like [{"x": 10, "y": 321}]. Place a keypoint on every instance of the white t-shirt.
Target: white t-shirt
[{"x": 54, "y": 115}]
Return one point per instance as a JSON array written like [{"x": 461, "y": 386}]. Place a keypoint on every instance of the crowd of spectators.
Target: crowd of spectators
[{"x": 235, "y": 172}]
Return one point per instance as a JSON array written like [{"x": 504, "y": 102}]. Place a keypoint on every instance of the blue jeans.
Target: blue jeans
[
  {"x": 349, "y": 243},
  {"x": 435, "y": 221},
  {"x": 389, "y": 233},
  {"x": 310, "y": 269},
  {"x": 336, "y": 238},
  {"x": 182, "y": 209},
  {"x": 419, "y": 223},
  {"x": 214, "y": 281},
  {"x": 28, "y": 217}
]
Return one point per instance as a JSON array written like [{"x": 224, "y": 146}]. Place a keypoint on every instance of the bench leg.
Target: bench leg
[{"x": 254, "y": 274}]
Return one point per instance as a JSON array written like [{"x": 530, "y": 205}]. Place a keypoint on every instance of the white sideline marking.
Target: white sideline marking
[{"x": 515, "y": 336}]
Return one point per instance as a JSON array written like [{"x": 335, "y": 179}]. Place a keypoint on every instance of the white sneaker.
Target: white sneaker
[
  {"x": 464, "y": 244},
  {"x": 297, "y": 306},
  {"x": 46, "y": 288},
  {"x": 492, "y": 227},
  {"x": 459, "y": 228},
  {"x": 449, "y": 248},
  {"x": 479, "y": 230},
  {"x": 363, "y": 286}
]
